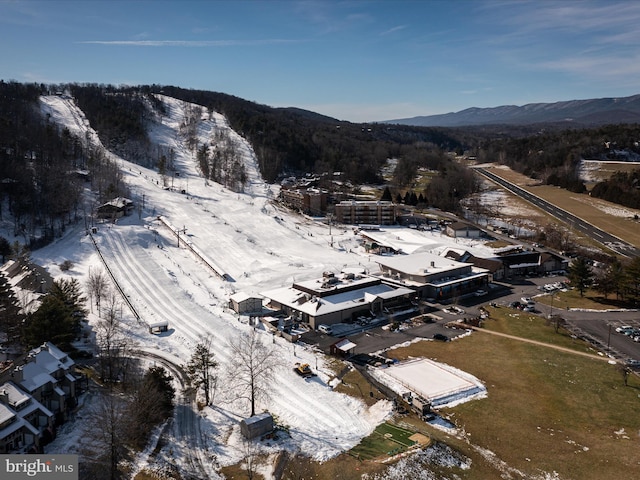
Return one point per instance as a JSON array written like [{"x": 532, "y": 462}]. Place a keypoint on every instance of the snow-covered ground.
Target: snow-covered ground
[{"x": 255, "y": 244}]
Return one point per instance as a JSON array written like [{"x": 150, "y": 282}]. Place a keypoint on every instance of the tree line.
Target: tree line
[
  {"x": 37, "y": 159},
  {"x": 620, "y": 278},
  {"x": 554, "y": 155},
  {"x": 44, "y": 168}
]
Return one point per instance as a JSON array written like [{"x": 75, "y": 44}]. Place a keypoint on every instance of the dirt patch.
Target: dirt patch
[{"x": 420, "y": 438}]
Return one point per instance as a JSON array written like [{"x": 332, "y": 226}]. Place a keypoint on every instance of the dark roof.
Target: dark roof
[
  {"x": 462, "y": 226},
  {"x": 487, "y": 263},
  {"x": 521, "y": 258}
]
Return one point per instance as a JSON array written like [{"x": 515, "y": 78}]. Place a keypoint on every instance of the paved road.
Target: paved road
[
  {"x": 592, "y": 325},
  {"x": 614, "y": 243},
  {"x": 186, "y": 422}
]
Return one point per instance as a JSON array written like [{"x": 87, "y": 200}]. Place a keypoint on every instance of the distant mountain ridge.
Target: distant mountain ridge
[{"x": 593, "y": 112}]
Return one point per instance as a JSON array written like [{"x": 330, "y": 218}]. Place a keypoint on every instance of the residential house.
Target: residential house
[
  {"x": 35, "y": 396},
  {"x": 116, "y": 208},
  {"x": 27, "y": 425}
]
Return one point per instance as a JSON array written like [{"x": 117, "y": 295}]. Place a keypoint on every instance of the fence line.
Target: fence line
[
  {"x": 213, "y": 268},
  {"x": 113, "y": 278}
]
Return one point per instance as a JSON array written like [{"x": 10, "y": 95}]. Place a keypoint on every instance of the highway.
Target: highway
[{"x": 614, "y": 243}]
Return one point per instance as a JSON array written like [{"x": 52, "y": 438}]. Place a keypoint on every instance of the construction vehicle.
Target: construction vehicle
[
  {"x": 304, "y": 370},
  {"x": 419, "y": 405}
]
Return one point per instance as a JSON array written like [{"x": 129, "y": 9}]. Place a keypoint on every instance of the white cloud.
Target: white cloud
[
  {"x": 190, "y": 43},
  {"x": 393, "y": 30}
]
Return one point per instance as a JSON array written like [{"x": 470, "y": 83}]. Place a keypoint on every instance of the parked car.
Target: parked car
[
  {"x": 325, "y": 329},
  {"x": 480, "y": 293},
  {"x": 623, "y": 327},
  {"x": 441, "y": 337},
  {"x": 527, "y": 300}
]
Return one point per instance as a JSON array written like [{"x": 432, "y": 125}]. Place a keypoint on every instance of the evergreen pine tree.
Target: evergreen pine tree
[
  {"x": 386, "y": 195},
  {"x": 580, "y": 275},
  {"x": 11, "y": 316}
]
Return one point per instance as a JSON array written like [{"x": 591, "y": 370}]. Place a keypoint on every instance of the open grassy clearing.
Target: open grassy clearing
[
  {"x": 604, "y": 170},
  {"x": 591, "y": 300},
  {"x": 546, "y": 410},
  {"x": 594, "y": 211},
  {"x": 514, "y": 322}
]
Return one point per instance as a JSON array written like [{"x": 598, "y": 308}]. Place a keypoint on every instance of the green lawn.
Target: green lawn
[{"x": 386, "y": 440}]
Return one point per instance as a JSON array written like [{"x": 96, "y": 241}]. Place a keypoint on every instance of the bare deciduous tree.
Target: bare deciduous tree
[
  {"x": 252, "y": 367},
  {"x": 104, "y": 440},
  {"x": 250, "y": 458},
  {"x": 98, "y": 286},
  {"x": 112, "y": 342}
]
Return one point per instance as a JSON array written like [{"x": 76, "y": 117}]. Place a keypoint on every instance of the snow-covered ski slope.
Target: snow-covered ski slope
[{"x": 243, "y": 235}]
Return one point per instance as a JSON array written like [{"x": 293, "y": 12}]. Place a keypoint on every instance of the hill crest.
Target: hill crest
[{"x": 591, "y": 112}]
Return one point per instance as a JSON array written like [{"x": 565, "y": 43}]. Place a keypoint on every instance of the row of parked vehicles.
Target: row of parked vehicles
[
  {"x": 526, "y": 304},
  {"x": 629, "y": 331}
]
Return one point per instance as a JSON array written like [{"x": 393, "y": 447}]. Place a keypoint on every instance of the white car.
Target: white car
[
  {"x": 527, "y": 301},
  {"x": 325, "y": 329},
  {"x": 623, "y": 328}
]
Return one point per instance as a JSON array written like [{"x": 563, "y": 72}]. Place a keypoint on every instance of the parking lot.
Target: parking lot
[{"x": 597, "y": 327}]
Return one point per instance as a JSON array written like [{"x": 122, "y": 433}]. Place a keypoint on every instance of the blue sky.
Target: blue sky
[{"x": 354, "y": 60}]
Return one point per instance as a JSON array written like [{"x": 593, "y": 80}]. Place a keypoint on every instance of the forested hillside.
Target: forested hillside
[
  {"x": 289, "y": 140},
  {"x": 42, "y": 168},
  {"x": 554, "y": 156}
]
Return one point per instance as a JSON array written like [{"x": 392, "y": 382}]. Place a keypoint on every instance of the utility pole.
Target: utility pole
[{"x": 178, "y": 232}]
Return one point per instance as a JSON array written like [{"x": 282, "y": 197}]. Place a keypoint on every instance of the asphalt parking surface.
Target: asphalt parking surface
[{"x": 596, "y": 327}]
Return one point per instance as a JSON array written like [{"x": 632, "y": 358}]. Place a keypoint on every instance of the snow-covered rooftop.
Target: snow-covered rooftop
[{"x": 420, "y": 263}]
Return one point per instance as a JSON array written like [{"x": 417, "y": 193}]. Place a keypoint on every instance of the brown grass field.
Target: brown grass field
[
  {"x": 547, "y": 410},
  {"x": 592, "y": 210}
]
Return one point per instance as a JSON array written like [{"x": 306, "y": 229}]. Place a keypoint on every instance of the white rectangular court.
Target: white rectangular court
[{"x": 441, "y": 384}]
